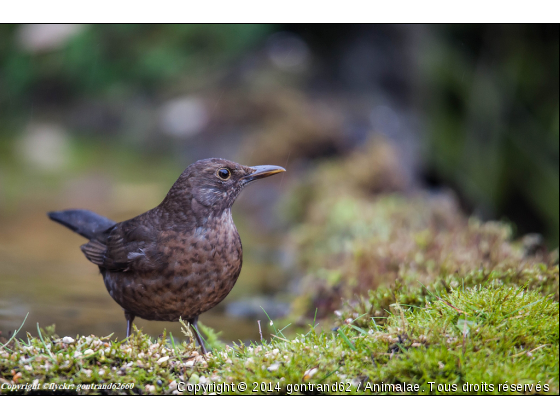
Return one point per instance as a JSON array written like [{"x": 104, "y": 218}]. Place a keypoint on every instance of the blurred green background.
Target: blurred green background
[{"x": 106, "y": 117}]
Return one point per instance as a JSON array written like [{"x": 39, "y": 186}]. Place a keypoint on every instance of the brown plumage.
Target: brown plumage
[{"x": 179, "y": 259}]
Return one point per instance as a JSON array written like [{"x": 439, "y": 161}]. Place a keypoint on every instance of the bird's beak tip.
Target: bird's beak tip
[{"x": 264, "y": 171}]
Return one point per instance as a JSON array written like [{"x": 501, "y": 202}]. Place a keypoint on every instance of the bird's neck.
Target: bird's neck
[{"x": 190, "y": 214}]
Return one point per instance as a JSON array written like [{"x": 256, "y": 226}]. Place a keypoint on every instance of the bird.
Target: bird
[{"x": 179, "y": 259}]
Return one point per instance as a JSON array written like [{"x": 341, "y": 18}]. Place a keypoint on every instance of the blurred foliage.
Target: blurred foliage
[
  {"x": 118, "y": 59},
  {"x": 487, "y": 94},
  {"x": 491, "y": 109}
]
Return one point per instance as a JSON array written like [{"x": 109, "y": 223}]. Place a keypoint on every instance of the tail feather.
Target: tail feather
[{"x": 83, "y": 222}]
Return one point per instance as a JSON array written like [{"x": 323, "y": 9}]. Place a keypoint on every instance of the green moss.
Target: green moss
[
  {"x": 481, "y": 335},
  {"x": 409, "y": 294}
]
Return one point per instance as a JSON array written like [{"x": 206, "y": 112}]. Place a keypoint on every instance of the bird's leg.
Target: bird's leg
[
  {"x": 194, "y": 323},
  {"x": 129, "y": 318}
]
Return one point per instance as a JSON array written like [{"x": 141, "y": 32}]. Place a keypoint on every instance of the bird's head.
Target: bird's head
[{"x": 212, "y": 185}]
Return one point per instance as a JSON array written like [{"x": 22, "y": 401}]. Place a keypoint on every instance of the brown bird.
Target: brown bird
[{"x": 179, "y": 259}]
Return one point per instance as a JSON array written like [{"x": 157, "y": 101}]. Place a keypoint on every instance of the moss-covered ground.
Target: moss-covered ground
[{"x": 495, "y": 337}]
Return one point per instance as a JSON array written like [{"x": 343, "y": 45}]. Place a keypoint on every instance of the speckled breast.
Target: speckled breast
[{"x": 202, "y": 266}]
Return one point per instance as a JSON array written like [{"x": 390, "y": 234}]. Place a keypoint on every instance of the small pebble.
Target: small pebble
[
  {"x": 163, "y": 360},
  {"x": 273, "y": 367},
  {"x": 67, "y": 340},
  {"x": 309, "y": 373}
]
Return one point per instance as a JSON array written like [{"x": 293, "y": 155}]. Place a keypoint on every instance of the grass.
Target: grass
[{"x": 473, "y": 339}]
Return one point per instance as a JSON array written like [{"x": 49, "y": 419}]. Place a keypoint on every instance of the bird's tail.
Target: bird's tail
[{"x": 83, "y": 222}]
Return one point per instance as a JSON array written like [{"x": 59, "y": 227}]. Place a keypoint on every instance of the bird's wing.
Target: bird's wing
[{"x": 123, "y": 247}]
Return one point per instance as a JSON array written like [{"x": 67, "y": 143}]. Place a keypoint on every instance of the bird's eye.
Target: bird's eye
[{"x": 223, "y": 173}]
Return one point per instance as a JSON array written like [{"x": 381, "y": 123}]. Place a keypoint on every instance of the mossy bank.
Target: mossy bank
[{"x": 490, "y": 338}]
